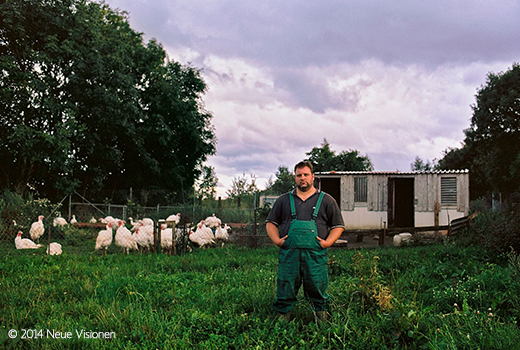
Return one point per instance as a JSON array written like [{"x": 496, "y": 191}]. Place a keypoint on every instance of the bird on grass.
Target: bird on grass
[
  {"x": 37, "y": 229},
  {"x": 166, "y": 238},
  {"x": 25, "y": 243},
  {"x": 203, "y": 235},
  {"x": 108, "y": 219},
  {"x": 222, "y": 232},
  {"x": 54, "y": 249},
  {"x": 212, "y": 222},
  {"x": 174, "y": 218},
  {"x": 124, "y": 238},
  {"x": 104, "y": 238},
  {"x": 59, "y": 221},
  {"x": 143, "y": 237}
]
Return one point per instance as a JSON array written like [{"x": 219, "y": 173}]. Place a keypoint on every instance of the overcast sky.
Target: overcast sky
[{"x": 392, "y": 79}]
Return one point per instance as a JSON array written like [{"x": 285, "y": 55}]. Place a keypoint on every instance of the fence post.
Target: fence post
[
  {"x": 49, "y": 240},
  {"x": 382, "y": 235},
  {"x": 157, "y": 235}
]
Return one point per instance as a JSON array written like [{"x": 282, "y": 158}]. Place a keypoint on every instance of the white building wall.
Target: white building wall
[{"x": 363, "y": 219}]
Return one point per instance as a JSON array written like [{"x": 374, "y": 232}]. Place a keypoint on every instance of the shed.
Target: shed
[{"x": 374, "y": 200}]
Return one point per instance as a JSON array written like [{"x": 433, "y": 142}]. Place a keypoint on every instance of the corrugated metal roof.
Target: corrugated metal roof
[{"x": 464, "y": 171}]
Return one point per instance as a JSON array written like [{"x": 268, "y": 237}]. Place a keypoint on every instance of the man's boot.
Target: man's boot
[
  {"x": 321, "y": 316},
  {"x": 284, "y": 317}
]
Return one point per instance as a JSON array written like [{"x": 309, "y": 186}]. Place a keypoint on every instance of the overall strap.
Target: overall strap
[
  {"x": 316, "y": 208},
  {"x": 293, "y": 209}
]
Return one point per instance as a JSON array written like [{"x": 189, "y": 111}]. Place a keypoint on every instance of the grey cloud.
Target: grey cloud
[
  {"x": 297, "y": 33},
  {"x": 314, "y": 94},
  {"x": 303, "y": 92},
  {"x": 327, "y": 32}
]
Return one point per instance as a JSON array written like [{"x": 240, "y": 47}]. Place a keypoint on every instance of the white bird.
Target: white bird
[
  {"x": 93, "y": 220},
  {"x": 166, "y": 238},
  {"x": 133, "y": 223},
  {"x": 147, "y": 221},
  {"x": 174, "y": 218},
  {"x": 110, "y": 219},
  {"x": 401, "y": 238},
  {"x": 54, "y": 249},
  {"x": 144, "y": 236},
  {"x": 104, "y": 238},
  {"x": 124, "y": 238},
  {"x": 147, "y": 230},
  {"x": 202, "y": 235},
  {"x": 37, "y": 229},
  {"x": 73, "y": 220},
  {"x": 25, "y": 243},
  {"x": 59, "y": 221},
  {"x": 222, "y": 232},
  {"x": 212, "y": 222}
]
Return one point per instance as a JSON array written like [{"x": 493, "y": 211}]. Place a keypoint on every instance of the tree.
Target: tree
[
  {"x": 322, "y": 158},
  {"x": 207, "y": 183},
  {"x": 491, "y": 148},
  {"x": 84, "y": 104},
  {"x": 325, "y": 159},
  {"x": 352, "y": 161},
  {"x": 284, "y": 181},
  {"x": 420, "y": 165},
  {"x": 242, "y": 187}
]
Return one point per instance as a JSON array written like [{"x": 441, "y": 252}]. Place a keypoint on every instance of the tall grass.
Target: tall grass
[{"x": 437, "y": 297}]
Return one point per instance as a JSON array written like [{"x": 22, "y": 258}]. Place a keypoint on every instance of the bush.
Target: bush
[
  {"x": 497, "y": 232},
  {"x": 478, "y": 206},
  {"x": 22, "y": 210}
]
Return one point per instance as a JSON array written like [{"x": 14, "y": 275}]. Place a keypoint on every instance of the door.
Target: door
[
  {"x": 332, "y": 185},
  {"x": 401, "y": 198}
]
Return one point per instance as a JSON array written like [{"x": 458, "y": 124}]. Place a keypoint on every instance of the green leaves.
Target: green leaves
[
  {"x": 325, "y": 159},
  {"x": 93, "y": 106}
]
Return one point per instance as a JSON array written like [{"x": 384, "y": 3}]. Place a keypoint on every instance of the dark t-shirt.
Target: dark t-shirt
[{"x": 329, "y": 215}]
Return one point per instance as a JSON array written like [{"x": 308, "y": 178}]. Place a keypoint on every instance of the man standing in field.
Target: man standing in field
[{"x": 303, "y": 223}]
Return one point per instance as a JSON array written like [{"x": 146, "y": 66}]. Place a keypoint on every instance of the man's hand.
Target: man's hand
[
  {"x": 334, "y": 234},
  {"x": 324, "y": 243},
  {"x": 280, "y": 241},
  {"x": 272, "y": 232}
]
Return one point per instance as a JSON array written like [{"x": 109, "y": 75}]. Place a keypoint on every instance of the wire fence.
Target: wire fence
[{"x": 81, "y": 222}]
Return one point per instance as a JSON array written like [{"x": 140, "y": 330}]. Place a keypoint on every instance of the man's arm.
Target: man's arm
[
  {"x": 274, "y": 235},
  {"x": 333, "y": 236}
]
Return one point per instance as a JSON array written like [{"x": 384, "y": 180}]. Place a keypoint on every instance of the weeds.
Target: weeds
[{"x": 222, "y": 299}]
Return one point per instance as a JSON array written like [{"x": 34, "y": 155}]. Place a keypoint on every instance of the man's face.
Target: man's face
[{"x": 304, "y": 178}]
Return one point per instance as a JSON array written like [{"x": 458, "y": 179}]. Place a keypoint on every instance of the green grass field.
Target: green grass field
[{"x": 430, "y": 297}]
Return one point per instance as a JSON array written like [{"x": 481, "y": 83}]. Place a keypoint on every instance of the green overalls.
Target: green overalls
[{"x": 302, "y": 258}]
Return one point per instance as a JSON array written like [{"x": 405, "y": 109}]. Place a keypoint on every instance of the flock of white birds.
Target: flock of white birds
[{"x": 139, "y": 237}]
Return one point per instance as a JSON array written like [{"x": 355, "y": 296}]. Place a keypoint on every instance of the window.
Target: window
[
  {"x": 449, "y": 190},
  {"x": 360, "y": 189}
]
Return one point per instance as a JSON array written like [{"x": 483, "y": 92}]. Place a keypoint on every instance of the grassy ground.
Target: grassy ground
[{"x": 435, "y": 297}]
